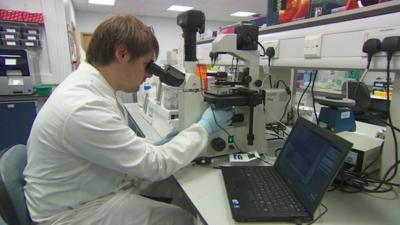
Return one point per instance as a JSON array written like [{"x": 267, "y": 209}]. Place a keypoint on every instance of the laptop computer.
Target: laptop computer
[{"x": 293, "y": 187}]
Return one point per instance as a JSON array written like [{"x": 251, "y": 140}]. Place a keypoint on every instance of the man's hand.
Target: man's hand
[
  {"x": 166, "y": 139},
  {"x": 215, "y": 119}
]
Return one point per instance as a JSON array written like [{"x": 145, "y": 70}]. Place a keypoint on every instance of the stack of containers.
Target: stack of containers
[
  {"x": 20, "y": 29},
  {"x": 19, "y": 36}
]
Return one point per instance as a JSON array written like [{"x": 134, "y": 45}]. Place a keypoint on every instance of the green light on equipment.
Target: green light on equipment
[{"x": 231, "y": 139}]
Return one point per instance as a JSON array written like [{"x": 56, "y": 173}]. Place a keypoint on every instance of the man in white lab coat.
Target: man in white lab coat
[{"x": 85, "y": 165}]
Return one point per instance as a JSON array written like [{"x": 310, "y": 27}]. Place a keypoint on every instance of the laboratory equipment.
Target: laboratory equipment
[
  {"x": 15, "y": 73},
  {"x": 336, "y": 113},
  {"x": 245, "y": 94},
  {"x": 247, "y": 131}
]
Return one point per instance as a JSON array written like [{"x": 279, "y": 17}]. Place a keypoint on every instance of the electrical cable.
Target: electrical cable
[
  {"x": 320, "y": 215},
  {"x": 261, "y": 159},
  {"x": 233, "y": 58},
  {"x": 372, "y": 46},
  {"x": 276, "y": 151},
  {"x": 270, "y": 79},
  {"x": 313, "y": 97},
  {"x": 301, "y": 97},
  {"x": 286, "y": 106},
  {"x": 265, "y": 79},
  {"x": 264, "y": 52},
  {"x": 274, "y": 139},
  {"x": 276, "y": 128},
  {"x": 361, "y": 182},
  {"x": 236, "y": 69},
  {"x": 290, "y": 96},
  {"x": 397, "y": 162},
  {"x": 373, "y": 117}
]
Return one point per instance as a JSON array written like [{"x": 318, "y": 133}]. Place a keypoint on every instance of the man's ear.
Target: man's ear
[{"x": 121, "y": 54}]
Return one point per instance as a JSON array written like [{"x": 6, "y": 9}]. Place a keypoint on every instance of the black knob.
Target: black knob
[
  {"x": 258, "y": 83},
  {"x": 218, "y": 144},
  {"x": 246, "y": 79},
  {"x": 237, "y": 118}
]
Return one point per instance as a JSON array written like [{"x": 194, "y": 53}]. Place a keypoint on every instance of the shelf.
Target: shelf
[{"x": 360, "y": 13}]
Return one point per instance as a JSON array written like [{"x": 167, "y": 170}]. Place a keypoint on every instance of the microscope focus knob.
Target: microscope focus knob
[
  {"x": 218, "y": 144},
  {"x": 258, "y": 83},
  {"x": 247, "y": 79}
]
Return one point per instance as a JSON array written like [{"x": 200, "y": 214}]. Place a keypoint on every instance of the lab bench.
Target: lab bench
[{"x": 204, "y": 186}]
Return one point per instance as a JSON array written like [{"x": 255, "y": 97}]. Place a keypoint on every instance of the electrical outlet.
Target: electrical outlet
[
  {"x": 312, "y": 46},
  {"x": 274, "y": 44},
  {"x": 381, "y": 34}
]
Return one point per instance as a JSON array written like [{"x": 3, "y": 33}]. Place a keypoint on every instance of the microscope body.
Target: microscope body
[{"x": 247, "y": 131}]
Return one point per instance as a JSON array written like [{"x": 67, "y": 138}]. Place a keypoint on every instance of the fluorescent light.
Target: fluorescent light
[
  {"x": 102, "y": 2},
  {"x": 242, "y": 14},
  {"x": 179, "y": 8}
]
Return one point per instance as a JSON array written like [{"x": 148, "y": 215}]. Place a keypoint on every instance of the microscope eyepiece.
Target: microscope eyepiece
[{"x": 169, "y": 75}]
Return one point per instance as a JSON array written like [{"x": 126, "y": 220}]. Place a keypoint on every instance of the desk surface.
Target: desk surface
[{"x": 206, "y": 190}]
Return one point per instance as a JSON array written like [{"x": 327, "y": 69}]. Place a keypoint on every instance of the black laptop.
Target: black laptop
[{"x": 292, "y": 189}]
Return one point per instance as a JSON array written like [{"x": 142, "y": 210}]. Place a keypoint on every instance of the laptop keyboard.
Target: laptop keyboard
[{"x": 268, "y": 192}]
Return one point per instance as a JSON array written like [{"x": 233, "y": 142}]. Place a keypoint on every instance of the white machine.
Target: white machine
[{"x": 15, "y": 72}]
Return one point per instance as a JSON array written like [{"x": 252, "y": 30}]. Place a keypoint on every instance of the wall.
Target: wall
[
  {"x": 168, "y": 33},
  {"x": 23, "y": 5}
]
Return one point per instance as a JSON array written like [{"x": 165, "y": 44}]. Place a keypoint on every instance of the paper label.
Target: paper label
[
  {"x": 11, "y": 43},
  {"x": 345, "y": 115}
]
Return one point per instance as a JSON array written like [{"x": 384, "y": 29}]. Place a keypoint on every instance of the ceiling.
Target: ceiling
[{"x": 217, "y": 10}]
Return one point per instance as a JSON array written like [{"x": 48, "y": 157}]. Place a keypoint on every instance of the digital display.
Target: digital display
[
  {"x": 10, "y": 62},
  {"x": 309, "y": 160},
  {"x": 15, "y": 81}
]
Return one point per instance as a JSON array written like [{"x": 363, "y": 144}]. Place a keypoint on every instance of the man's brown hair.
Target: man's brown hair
[{"x": 127, "y": 31}]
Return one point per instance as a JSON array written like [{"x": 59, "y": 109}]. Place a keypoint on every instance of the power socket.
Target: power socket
[
  {"x": 312, "y": 46},
  {"x": 381, "y": 34},
  {"x": 274, "y": 44}
]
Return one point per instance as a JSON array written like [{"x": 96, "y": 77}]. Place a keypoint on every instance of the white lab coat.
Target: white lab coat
[{"x": 81, "y": 149}]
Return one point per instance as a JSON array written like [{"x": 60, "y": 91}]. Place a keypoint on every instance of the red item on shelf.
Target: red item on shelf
[
  {"x": 351, "y": 4},
  {"x": 21, "y": 16},
  {"x": 12, "y": 15},
  {"x": 34, "y": 18},
  {"x": 295, "y": 10},
  {"x": 227, "y": 30}
]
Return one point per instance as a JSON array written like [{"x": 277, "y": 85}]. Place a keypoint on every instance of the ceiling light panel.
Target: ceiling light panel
[
  {"x": 179, "y": 8},
  {"x": 243, "y": 14},
  {"x": 102, "y": 2}
]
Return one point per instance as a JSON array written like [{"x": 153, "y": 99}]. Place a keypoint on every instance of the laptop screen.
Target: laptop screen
[{"x": 309, "y": 161}]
